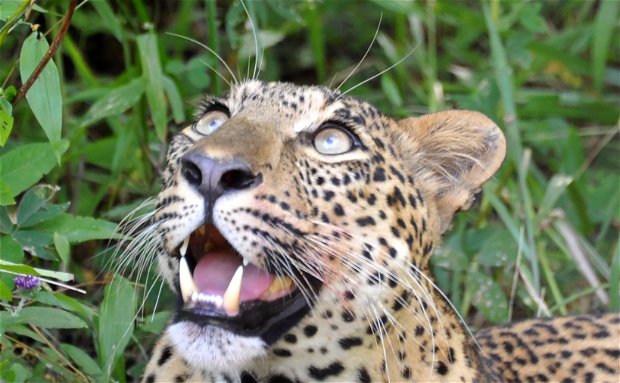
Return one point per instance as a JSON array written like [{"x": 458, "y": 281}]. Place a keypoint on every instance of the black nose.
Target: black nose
[{"x": 214, "y": 178}]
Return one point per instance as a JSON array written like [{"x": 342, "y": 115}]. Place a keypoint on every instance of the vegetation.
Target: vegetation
[{"x": 85, "y": 146}]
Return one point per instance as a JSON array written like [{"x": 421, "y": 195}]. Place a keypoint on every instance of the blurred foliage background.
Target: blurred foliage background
[{"x": 86, "y": 145}]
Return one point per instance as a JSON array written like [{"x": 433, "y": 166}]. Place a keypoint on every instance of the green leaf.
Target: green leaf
[
  {"x": 153, "y": 74},
  {"x": 531, "y": 19},
  {"x": 176, "y": 102},
  {"x": 47, "y": 212},
  {"x": 30, "y": 203},
  {"x": 498, "y": 250},
  {"x": 79, "y": 229},
  {"x": 81, "y": 358},
  {"x": 390, "y": 89},
  {"x": 47, "y": 317},
  {"x": 17, "y": 269},
  {"x": 109, "y": 18},
  {"x": 8, "y": 8},
  {"x": 62, "y": 247},
  {"x": 5, "y": 292},
  {"x": 6, "y": 195},
  {"x": 488, "y": 297},
  {"x": 59, "y": 275},
  {"x": 23, "y": 166},
  {"x": 35, "y": 242},
  {"x": 116, "y": 322},
  {"x": 156, "y": 323},
  {"x": 555, "y": 189},
  {"x": 44, "y": 97},
  {"x": 65, "y": 302},
  {"x": 115, "y": 102},
  {"x": 13, "y": 372},
  {"x": 6, "y": 120},
  {"x": 10, "y": 251},
  {"x": 6, "y": 225},
  {"x": 606, "y": 20}
]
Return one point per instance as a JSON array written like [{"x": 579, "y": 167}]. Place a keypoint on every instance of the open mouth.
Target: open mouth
[{"x": 219, "y": 287}]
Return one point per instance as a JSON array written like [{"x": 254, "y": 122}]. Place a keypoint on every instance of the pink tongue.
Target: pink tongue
[{"x": 215, "y": 270}]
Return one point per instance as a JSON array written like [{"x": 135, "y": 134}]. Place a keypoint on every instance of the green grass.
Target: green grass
[{"x": 543, "y": 239}]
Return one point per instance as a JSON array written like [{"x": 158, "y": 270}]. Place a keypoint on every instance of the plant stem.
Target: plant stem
[{"x": 48, "y": 55}]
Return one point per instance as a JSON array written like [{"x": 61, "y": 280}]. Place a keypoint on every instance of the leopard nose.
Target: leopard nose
[{"x": 215, "y": 177}]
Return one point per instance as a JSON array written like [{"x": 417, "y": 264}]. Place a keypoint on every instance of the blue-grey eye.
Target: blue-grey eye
[
  {"x": 332, "y": 140},
  {"x": 211, "y": 121}
]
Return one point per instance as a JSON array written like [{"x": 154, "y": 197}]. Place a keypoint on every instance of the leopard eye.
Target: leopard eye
[
  {"x": 210, "y": 122},
  {"x": 332, "y": 140}
]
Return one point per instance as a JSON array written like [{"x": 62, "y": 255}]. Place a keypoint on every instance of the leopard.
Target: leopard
[{"x": 295, "y": 226}]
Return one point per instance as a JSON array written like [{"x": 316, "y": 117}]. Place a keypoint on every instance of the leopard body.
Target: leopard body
[{"x": 364, "y": 223}]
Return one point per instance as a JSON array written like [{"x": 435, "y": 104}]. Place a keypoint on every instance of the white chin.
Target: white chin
[{"x": 213, "y": 349}]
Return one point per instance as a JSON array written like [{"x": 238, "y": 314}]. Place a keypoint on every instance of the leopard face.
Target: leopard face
[{"x": 295, "y": 225}]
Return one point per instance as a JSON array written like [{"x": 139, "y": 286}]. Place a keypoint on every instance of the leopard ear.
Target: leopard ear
[{"x": 450, "y": 155}]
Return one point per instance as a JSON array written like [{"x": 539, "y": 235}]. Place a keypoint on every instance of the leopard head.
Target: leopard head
[{"x": 289, "y": 207}]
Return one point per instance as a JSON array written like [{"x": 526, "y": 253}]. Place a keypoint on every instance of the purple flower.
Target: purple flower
[{"x": 27, "y": 281}]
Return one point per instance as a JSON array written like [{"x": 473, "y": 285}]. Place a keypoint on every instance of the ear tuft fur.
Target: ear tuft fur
[{"x": 450, "y": 155}]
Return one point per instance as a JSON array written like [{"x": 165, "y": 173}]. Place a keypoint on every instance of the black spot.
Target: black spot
[
  {"x": 290, "y": 338},
  {"x": 379, "y": 175},
  {"x": 181, "y": 378},
  {"x": 282, "y": 352},
  {"x": 150, "y": 379},
  {"x": 442, "y": 369},
  {"x": 364, "y": 221},
  {"x": 310, "y": 330},
  {"x": 395, "y": 231},
  {"x": 321, "y": 374},
  {"x": 419, "y": 330},
  {"x": 588, "y": 351},
  {"x": 165, "y": 355},
  {"x": 412, "y": 201},
  {"x": 601, "y": 334},
  {"x": 348, "y": 316},
  {"x": 362, "y": 376},
  {"x": 378, "y": 142},
  {"x": 338, "y": 210},
  {"x": 508, "y": 347},
  {"x": 328, "y": 195},
  {"x": 279, "y": 379},
  {"x": 247, "y": 378},
  {"x": 406, "y": 373},
  {"x": 392, "y": 251},
  {"x": 603, "y": 367},
  {"x": 347, "y": 343},
  {"x": 612, "y": 352},
  {"x": 397, "y": 174}
]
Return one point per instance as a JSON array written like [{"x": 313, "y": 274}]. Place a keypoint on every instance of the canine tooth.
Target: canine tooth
[
  {"x": 231, "y": 296},
  {"x": 186, "y": 281},
  {"x": 245, "y": 262},
  {"x": 183, "y": 248}
]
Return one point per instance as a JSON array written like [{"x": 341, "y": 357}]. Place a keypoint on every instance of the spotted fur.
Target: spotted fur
[{"x": 364, "y": 223}]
